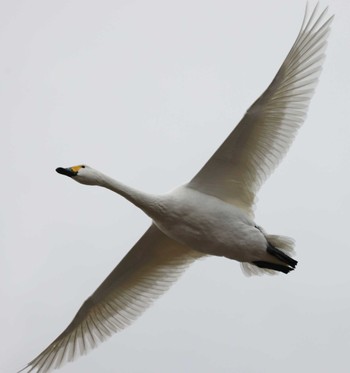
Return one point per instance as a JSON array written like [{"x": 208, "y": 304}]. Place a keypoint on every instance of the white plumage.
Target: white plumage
[{"x": 211, "y": 215}]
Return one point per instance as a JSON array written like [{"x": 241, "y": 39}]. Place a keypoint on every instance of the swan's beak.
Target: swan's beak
[{"x": 70, "y": 171}]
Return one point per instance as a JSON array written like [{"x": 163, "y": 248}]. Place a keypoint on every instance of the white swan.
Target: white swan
[{"x": 212, "y": 214}]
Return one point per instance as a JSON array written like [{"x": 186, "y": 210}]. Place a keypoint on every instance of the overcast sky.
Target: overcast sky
[{"x": 145, "y": 91}]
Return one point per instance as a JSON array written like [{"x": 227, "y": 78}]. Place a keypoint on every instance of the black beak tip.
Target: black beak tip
[{"x": 65, "y": 171}]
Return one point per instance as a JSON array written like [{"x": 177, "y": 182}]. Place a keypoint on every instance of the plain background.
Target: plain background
[{"x": 145, "y": 91}]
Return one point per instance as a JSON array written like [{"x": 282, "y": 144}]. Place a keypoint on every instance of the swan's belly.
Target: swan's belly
[{"x": 211, "y": 226}]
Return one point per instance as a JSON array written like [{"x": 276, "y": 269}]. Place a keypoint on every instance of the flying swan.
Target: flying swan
[{"x": 211, "y": 215}]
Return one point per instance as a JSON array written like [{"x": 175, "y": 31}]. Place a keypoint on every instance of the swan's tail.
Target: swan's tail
[
  {"x": 280, "y": 255},
  {"x": 280, "y": 247},
  {"x": 285, "y": 263}
]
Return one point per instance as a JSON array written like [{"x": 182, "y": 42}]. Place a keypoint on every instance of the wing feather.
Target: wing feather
[
  {"x": 256, "y": 146},
  {"x": 146, "y": 272}
]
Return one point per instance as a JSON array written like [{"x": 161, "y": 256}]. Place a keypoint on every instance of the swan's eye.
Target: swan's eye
[{"x": 82, "y": 166}]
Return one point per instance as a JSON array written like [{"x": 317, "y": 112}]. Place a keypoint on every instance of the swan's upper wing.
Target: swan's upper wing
[
  {"x": 147, "y": 271},
  {"x": 256, "y": 146}
]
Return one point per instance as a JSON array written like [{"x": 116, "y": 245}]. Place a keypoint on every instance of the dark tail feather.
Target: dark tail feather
[
  {"x": 281, "y": 256},
  {"x": 274, "y": 266}
]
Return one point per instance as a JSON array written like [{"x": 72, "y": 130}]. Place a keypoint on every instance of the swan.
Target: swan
[{"x": 210, "y": 215}]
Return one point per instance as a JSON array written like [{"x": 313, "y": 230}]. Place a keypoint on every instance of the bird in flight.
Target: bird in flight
[{"x": 210, "y": 215}]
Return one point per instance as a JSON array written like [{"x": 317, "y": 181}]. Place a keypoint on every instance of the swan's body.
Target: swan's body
[
  {"x": 211, "y": 215},
  {"x": 209, "y": 225}
]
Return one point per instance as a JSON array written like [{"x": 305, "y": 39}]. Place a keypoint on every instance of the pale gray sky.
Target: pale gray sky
[{"x": 145, "y": 92}]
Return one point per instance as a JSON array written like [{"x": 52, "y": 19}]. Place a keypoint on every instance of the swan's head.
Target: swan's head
[{"x": 82, "y": 174}]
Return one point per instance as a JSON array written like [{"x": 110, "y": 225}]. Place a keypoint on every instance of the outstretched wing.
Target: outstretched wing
[
  {"x": 256, "y": 146},
  {"x": 147, "y": 271}
]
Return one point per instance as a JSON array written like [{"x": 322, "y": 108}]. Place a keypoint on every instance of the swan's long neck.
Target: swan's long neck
[{"x": 147, "y": 202}]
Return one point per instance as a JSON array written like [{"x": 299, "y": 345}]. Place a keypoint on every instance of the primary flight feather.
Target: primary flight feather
[{"x": 211, "y": 215}]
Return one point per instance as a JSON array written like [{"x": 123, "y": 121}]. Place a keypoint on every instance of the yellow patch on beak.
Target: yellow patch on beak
[{"x": 75, "y": 168}]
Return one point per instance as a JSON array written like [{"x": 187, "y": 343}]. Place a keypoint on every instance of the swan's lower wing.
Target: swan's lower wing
[
  {"x": 147, "y": 271},
  {"x": 258, "y": 143}
]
